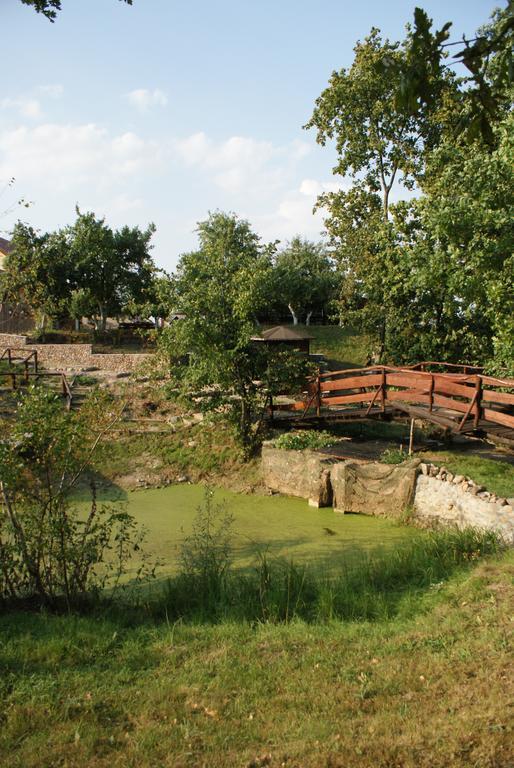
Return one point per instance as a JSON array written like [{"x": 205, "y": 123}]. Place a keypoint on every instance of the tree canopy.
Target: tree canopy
[
  {"x": 432, "y": 275},
  {"x": 49, "y": 8},
  {"x": 84, "y": 269},
  {"x": 220, "y": 289}
]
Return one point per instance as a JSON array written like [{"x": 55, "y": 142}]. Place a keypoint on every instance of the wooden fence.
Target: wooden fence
[
  {"x": 460, "y": 400},
  {"x": 30, "y": 372}
]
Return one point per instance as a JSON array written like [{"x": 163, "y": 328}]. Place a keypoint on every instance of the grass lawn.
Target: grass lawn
[
  {"x": 496, "y": 476},
  {"x": 279, "y": 526},
  {"x": 429, "y": 691}
]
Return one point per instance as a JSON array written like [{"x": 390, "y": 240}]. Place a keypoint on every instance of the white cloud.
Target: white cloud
[
  {"x": 240, "y": 163},
  {"x": 26, "y": 107},
  {"x": 66, "y": 155},
  {"x": 53, "y": 90},
  {"x": 143, "y": 99},
  {"x": 295, "y": 211}
]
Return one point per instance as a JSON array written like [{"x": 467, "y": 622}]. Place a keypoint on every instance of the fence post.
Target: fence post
[
  {"x": 318, "y": 395},
  {"x": 383, "y": 390},
  {"x": 431, "y": 393},
  {"x": 9, "y": 360},
  {"x": 478, "y": 401}
]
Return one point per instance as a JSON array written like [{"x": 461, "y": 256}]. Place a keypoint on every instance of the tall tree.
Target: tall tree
[
  {"x": 113, "y": 267},
  {"x": 305, "y": 278},
  {"x": 220, "y": 288},
  {"x": 39, "y": 271}
]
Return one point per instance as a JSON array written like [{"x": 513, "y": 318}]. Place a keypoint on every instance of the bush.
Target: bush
[
  {"x": 305, "y": 439},
  {"x": 85, "y": 380},
  {"x": 49, "y": 549},
  {"x": 393, "y": 456}
]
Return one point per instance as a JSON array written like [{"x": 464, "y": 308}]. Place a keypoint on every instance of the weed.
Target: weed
[{"x": 305, "y": 440}]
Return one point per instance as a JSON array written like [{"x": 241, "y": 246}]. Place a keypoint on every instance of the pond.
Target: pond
[{"x": 280, "y": 526}]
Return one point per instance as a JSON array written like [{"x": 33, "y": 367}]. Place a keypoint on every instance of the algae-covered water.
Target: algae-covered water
[{"x": 280, "y": 526}]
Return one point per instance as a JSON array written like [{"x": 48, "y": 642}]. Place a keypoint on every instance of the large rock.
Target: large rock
[{"x": 374, "y": 489}]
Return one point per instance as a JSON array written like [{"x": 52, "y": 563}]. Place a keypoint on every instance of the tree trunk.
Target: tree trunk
[
  {"x": 77, "y": 323},
  {"x": 308, "y": 318},
  {"x": 294, "y": 315}
]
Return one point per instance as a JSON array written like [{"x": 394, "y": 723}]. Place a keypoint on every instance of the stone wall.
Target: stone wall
[
  {"x": 454, "y": 499},
  {"x": 75, "y": 357},
  {"x": 373, "y": 488},
  {"x": 435, "y": 495},
  {"x": 298, "y": 473}
]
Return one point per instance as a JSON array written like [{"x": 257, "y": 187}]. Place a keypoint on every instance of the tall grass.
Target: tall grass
[{"x": 377, "y": 587}]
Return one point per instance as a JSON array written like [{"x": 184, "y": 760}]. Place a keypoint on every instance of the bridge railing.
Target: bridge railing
[{"x": 375, "y": 389}]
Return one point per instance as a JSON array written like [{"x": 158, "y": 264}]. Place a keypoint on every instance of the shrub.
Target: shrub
[
  {"x": 49, "y": 549},
  {"x": 206, "y": 554},
  {"x": 85, "y": 380},
  {"x": 305, "y": 439},
  {"x": 393, "y": 456}
]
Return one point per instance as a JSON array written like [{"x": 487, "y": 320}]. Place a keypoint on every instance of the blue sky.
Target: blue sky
[{"x": 165, "y": 110}]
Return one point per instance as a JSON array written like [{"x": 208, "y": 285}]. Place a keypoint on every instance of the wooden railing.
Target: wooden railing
[
  {"x": 374, "y": 389},
  {"x": 429, "y": 365},
  {"x": 27, "y": 359},
  {"x": 18, "y": 378}
]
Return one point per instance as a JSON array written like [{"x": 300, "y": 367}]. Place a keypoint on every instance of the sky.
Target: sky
[{"x": 165, "y": 110}]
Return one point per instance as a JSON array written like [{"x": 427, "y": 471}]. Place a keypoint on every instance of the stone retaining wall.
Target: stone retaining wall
[
  {"x": 434, "y": 494},
  {"x": 298, "y": 473},
  {"x": 75, "y": 357}
]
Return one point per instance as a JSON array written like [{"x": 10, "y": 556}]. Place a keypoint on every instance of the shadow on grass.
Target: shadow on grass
[{"x": 373, "y": 587}]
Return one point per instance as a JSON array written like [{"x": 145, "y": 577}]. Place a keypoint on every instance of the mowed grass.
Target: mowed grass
[
  {"x": 342, "y": 345},
  {"x": 278, "y": 526},
  {"x": 429, "y": 691},
  {"x": 496, "y": 476}
]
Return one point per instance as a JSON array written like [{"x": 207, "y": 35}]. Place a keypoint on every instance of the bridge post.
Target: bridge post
[
  {"x": 318, "y": 395},
  {"x": 431, "y": 394},
  {"x": 383, "y": 390},
  {"x": 478, "y": 400}
]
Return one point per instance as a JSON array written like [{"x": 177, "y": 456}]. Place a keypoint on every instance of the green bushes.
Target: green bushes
[
  {"x": 393, "y": 456},
  {"x": 305, "y": 439},
  {"x": 50, "y": 552}
]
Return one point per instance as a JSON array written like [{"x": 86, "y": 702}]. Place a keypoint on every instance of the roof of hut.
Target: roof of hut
[{"x": 282, "y": 333}]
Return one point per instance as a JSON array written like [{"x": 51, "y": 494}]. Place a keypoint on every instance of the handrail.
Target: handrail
[
  {"x": 463, "y": 395},
  {"x": 26, "y": 376}
]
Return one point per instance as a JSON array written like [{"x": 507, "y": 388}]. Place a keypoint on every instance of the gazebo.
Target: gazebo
[{"x": 285, "y": 335}]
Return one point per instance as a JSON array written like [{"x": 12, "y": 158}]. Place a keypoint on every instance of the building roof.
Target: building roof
[
  {"x": 5, "y": 245},
  {"x": 282, "y": 333}
]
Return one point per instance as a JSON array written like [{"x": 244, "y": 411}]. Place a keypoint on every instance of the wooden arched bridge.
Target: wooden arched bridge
[{"x": 459, "y": 398}]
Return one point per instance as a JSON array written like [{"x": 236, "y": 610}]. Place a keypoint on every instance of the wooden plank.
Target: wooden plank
[
  {"x": 408, "y": 396},
  {"x": 426, "y": 415},
  {"x": 492, "y": 382},
  {"x": 453, "y": 405},
  {"x": 362, "y": 397},
  {"x": 408, "y": 379},
  {"x": 445, "y": 386},
  {"x": 491, "y": 396},
  {"x": 352, "y": 382},
  {"x": 498, "y": 418}
]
